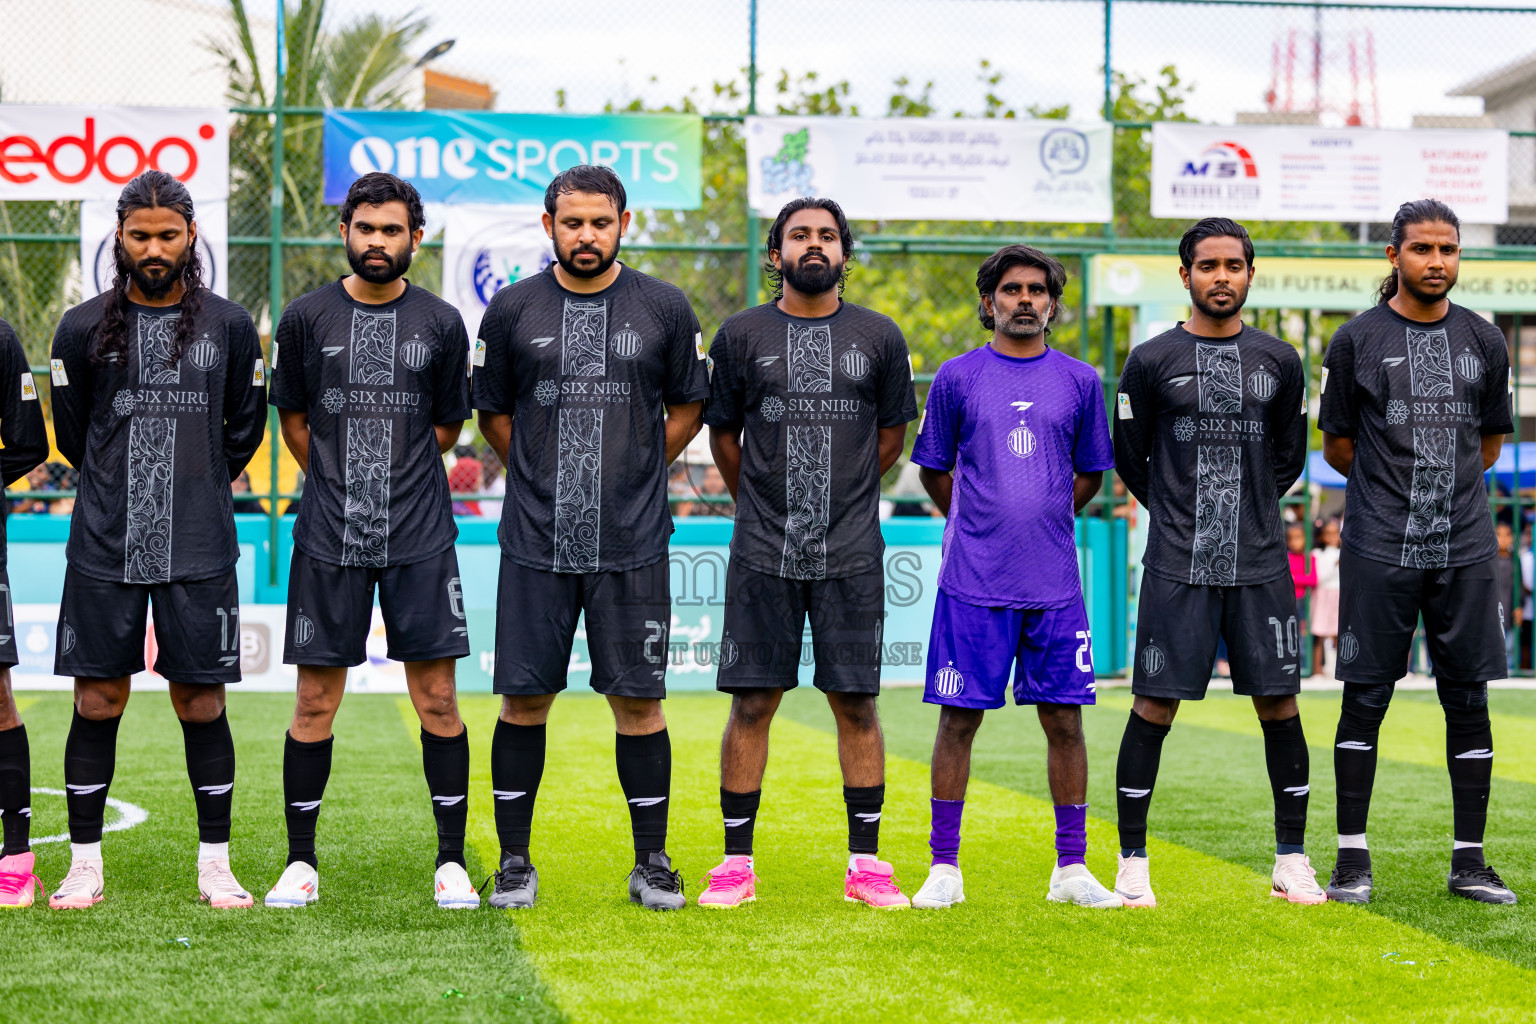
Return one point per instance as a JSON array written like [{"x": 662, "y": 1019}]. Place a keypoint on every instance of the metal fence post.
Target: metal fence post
[
  {"x": 753, "y": 270},
  {"x": 275, "y": 284}
]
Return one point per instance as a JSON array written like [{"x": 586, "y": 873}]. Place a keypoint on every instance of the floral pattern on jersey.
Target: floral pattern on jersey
[
  {"x": 1219, "y": 370},
  {"x": 373, "y": 347},
  {"x": 772, "y": 408},
  {"x": 1427, "y": 540},
  {"x": 122, "y": 402},
  {"x": 151, "y": 462},
  {"x": 1184, "y": 428},
  {"x": 365, "y": 533},
  {"x": 1429, "y": 364},
  {"x": 333, "y": 400},
  {"x": 810, "y": 358},
  {"x": 1218, "y": 493},
  {"x": 578, "y": 490},
  {"x": 583, "y": 338},
  {"x": 546, "y": 391},
  {"x": 156, "y": 336},
  {"x": 1397, "y": 411},
  {"x": 808, "y": 486}
]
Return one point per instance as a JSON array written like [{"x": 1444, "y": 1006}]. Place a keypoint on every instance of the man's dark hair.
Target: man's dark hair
[
  {"x": 377, "y": 188},
  {"x": 593, "y": 179},
  {"x": 776, "y": 238},
  {"x": 150, "y": 190},
  {"x": 1213, "y": 227},
  {"x": 1009, "y": 256},
  {"x": 1420, "y": 211}
]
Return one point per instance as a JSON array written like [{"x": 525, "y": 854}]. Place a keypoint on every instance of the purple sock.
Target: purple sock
[
  {"x": 1071, "y": 834},
  {"x": 945, "y": 837}
]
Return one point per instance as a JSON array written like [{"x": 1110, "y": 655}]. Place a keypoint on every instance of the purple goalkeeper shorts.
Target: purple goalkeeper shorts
[{"x": 973, "y": 650}]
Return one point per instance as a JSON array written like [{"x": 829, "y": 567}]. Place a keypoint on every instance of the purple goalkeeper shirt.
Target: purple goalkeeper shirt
[{"x": 1014, "y": 432}]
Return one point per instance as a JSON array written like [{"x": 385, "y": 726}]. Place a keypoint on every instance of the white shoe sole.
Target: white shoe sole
[
  {"x": 923, "y": 903},
  {"x": 1111, "y": 904},
  {"x": 462, "y": 903},
  {"x": 726, "y": 906},
  {"x": 288, "y": 904}
]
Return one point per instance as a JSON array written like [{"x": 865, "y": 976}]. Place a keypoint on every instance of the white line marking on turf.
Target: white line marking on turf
[{"x": 129, "y": 815}]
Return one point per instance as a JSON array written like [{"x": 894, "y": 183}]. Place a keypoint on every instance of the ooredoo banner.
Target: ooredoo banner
[
  {"x": 78, "y": 152},
  {"x": 456, "y": 156},
  {"x": 900, "y": 168},
  {"x": 1283, "y": 172}
]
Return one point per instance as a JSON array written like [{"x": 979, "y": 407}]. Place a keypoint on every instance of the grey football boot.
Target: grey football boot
[
  {"x": 517, "y": 884},
  {"x": 655, "y": 886}
]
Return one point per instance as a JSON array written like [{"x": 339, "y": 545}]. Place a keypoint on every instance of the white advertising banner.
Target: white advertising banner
[
  {"x": 900, "y": 168},
  {"x": 98, "y": 227},
  {"x": 1283, "y": 172},
  {"x": 486, "y": 248},
  {"x": 91, "y": 152}
]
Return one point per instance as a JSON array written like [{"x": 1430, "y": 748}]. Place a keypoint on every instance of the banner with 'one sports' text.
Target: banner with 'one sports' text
[{"x": 458, "y": 156}]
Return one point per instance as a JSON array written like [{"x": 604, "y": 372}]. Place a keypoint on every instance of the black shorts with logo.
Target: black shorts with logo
[
  {"x": 8, "y": 652},
  {"x": 627, "y": 617},
  {"x": 1178, "y": 625},
  {"x": 764, "y": 632},
  {"x": 1379, "y": 609},
  {"x": 330, "y": 610},
  {"x": 102, "y": 628}
]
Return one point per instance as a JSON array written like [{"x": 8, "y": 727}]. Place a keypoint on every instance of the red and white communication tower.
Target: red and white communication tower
[{"x": 1342, "y": 68}]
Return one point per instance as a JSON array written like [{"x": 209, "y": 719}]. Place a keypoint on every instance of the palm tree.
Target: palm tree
[{"x": 361, "y": 63}]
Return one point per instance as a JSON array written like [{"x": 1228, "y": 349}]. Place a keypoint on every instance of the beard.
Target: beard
[
  {"x": 378, "y": 273},
  {"x": 1425, "y": 297},
  {"x": 159, "y": 286},
  {"x": 1024, "y": 323},
  {"x": 812, "y": 276},
  {"x": 567, "y": 260},
  {"x": 1215, "y": 312}
]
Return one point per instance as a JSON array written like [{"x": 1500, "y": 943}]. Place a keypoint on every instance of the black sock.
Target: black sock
[
  {"x": 1354, "y": 762},
  {"x": 1141, "y": 748},
  {"x": 211, "y": 768},
  {"x": 1285, "y": 755},
  {"x": 1469, "y": 756},
  {"x": 645, "y": 773},
  {"x": 445, "y": 760},
  {"x": 864, "y": 803},
  {"x": 306, "y": 770},
  {"x": 517, "y": 765},
  {"x": 740, "y": 813},
  {"x": 15, "y": 790},
  {"x": 90, "y": 756}
]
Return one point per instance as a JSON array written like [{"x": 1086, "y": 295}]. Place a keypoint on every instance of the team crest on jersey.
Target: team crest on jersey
[
  {"x": 415, "y": 353},
  {"x": 1349, "y": 647},
  {"x": 948, "y": 682},
  {"x": 626, "y": 344},
  {"x": 204, "y": 354},
  {"x": 854, "y": 364},
  {"x": 1152, "y": 659},
  {"x": 1468, "y": 366},
  {"x": 1021, "y": 440},
  {"x": 1262, "y": 384},
  {"x": 1184, "y": 428}
]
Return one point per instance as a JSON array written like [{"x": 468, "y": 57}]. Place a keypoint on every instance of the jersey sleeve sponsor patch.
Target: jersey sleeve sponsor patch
[
  {"x": 274, "y": 353},
  {"x": 477, "y": 355},
  {"x": 1123, "y": 400},
  {"x": 57, "y": 372},
  {"x": 28, "y": 388},
  {"x": 258, "y": 373},
  {"x": 1323, "y": 387},
  {"x": 698, "y": 344}
]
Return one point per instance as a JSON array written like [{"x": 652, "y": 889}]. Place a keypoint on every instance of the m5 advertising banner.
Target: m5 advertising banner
[
  {"x": 1270, "y": 172},
  {"x": 901, "y": 168},
  {"x": 456, "y": 156},
  {"x": 88, "y": 152}
]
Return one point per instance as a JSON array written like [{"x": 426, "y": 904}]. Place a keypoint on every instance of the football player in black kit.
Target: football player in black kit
[
  {"x": 159, "y": 400},
  {"x": 1415, "y": 406},
  {"x": 1210, "y": 431},
  {"x": 593, "y": 381},
  {"x": 25, "y": 441},
  {"x": 369, "y": 375}
]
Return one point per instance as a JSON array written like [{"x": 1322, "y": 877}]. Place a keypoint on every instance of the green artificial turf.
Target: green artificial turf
[{"x": 375, "y": 948}]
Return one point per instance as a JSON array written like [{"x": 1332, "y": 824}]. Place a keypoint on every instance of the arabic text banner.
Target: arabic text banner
[
  {"x": 455, "y": 156},
  {"x": 932, "y": 168},
  {"x": 1281, "y": 172}
]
